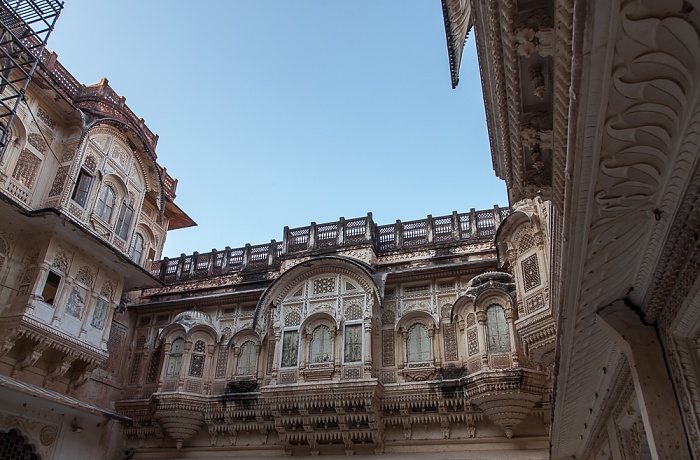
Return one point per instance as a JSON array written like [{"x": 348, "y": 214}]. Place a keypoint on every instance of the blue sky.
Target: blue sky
[{"x": 286, "y": 112}]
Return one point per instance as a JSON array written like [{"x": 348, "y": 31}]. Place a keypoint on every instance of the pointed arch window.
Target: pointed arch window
[
  {"x": 418, "y": 347},
  {"x": 321, "y": 346},
  {"x": 497, "y": 335},
  {"x": 172, "y": 368},
  {"x": 105, "y": 203},
  {"x": 248, "y": 359}
]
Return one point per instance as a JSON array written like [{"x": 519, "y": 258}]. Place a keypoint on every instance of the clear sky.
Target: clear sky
[{"x": 274, "y": 113}]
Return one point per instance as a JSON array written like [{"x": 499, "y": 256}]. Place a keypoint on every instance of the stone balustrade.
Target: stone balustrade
[{"x": 329, "y": 237}]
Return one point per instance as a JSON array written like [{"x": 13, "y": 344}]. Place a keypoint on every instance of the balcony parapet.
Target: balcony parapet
[{"x": 315, "y": 239}]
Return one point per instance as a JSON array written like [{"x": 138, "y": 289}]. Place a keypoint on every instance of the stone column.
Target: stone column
[
  {"x": 514, "y": 352},
  {"x": 164, "y": 367},
  {"x": 652, "y": 384},
  {"x": 481, "y": 332},
  {"x": 367, "y": 351}
]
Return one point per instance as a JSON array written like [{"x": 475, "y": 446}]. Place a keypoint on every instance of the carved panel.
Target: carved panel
[
  {"x": 354, "y": 372},
  {"x": 531, "y": 272},
  {"x": 288, "y": 377},
  {"x": 133, "y": 375},
  {"x": 388, "y": 353},
  {"x": 59, "y": 181},
  {"x": 472, "y": 342},
  {"x": 221, "y": 362},
  {"x": 153, "y": 367},
  {"x": 115, "y": 348},
  {"x": 534, "y": 303},
  {"x": 450, "y": 339},
  {"x": 388, "y": 377},
  {"x": 193, "y": 386},
  {"x": 324, "y": 285},
  {"x": 26, "y": 168}
]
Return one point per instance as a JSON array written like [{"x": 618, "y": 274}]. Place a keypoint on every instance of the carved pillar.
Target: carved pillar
[
  {"x": 367, "y": 352},
  {"x": 209, "y": 369},
  {"x": 274, "y": 342},
  {"x": 435, "y": 341},
  {"x": 186, "y": 358},
  {"x": 652, "y": 383},
  {"x": 164, "y": 367},
  {"x": 514, "y": 348},
  {"x": 39, "y": 279},
  {"x": 401, "y": 348},
  {"x": 481, "y": 331},
  {"x": 236, "y": 356}
]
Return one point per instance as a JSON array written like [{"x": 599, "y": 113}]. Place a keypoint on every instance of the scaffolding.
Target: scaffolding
[{"x": 25, "y": 26}]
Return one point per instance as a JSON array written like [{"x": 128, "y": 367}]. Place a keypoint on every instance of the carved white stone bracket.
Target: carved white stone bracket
[{"x": 657, "y": 404}]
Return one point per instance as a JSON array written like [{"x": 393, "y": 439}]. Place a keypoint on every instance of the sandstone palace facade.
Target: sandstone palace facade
[{"x": 562, "y": 326}]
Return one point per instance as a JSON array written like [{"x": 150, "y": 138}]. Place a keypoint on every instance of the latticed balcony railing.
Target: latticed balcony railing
[{"x": 322, "y": 238}]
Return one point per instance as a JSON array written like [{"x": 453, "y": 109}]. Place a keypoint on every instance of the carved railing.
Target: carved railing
[{"x": 320, "y": 238}]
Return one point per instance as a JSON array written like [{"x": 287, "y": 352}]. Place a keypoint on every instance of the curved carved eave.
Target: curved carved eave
[{"x": 145, "y": 155}]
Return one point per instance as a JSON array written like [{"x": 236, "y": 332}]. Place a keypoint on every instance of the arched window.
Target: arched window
[
  {"x": 105, "y": 203},
  {"x": 290, "y": 349},
  {"x": 418, "y": 347},
  {"x": 137, "y": 248},
  {"x": 321, "y": 346},
  {"x": 172, "y": 369},
  {"x": 497, "y": 335},
  {"x": 82, "y": 188},
  {"x": 248, "y": 359},
  {"x": 197, "y": 361},
  {"x": 126, "y": 215}
]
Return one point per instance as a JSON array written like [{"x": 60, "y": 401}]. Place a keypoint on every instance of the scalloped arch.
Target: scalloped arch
[{"x": 290, "y": 279}]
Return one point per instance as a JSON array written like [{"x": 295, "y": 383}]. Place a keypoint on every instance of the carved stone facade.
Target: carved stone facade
[
  {"x": 565, "y": 326},
  {"x": 84, "y": 207},
  {"x": 310, "y": 350}
]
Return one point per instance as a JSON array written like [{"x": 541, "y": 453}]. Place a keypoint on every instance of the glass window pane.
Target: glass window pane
[
  {"x": 247, "y": 360},
  {"x": 172, "y": 368},
  {"x": 321, "y": 347},
  {"x": 418, "y": 347},
  {"x": 124, "y": 221},
  {"x": 99, "y": 314},
  {"x": 290, "y": 349},
  {"x": 105, "y": 204},
  {"x": 137, "y": 248},
  {"x": 82, "y": 188},
  {"x": 353, "y": 344},
  {"x": 497, "y": 334}
]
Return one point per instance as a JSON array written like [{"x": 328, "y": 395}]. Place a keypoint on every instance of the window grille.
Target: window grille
[{"x": 26, "y": 169}]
